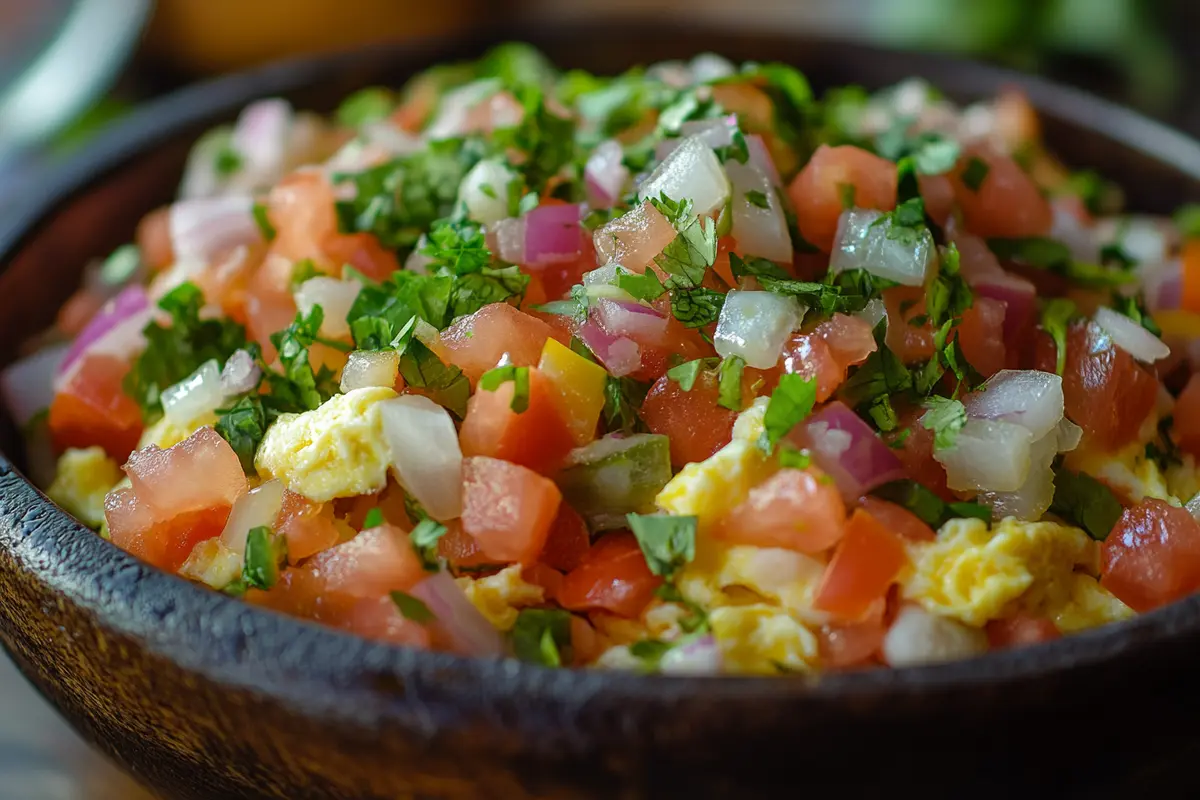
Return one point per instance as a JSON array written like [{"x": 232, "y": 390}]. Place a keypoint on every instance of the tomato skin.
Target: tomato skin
[
  {"x": 93, "y": 409},
  {"x": 1007, "y": 203},
  {"x": 544, "y": 576},
  {"x": 507, "y": 509},
  {"x": 862, "y": 569},
  {"x": 270, "y": 306},
  {"x": 1020, "y": 631},
  {"x": 816, "y": 191},
  {"x": 938, "y": 193},
  {"x": 457, "y": 547},
  {"x": 613, "y": 577},
  {"x": 537, "y": 437},
  {"x": 568, "y": 541},
  {"x": 1187, "y": 416},
  {"x": 847, "y": 646},
  {"x": 794, "y": 509},
  {"x": 910, "y": 342},
  {"x": 898, "y": 519},
  {"x": 1152, "y": 555},
  {"x": 981, "y": 335},
  {"x": 476, "y": 343},
  {"x": 586, "y": 644},
  {"x": 695, "y": 424},
  {"x": 307, "y": 526},
  {"x": 166, "y": 543}
]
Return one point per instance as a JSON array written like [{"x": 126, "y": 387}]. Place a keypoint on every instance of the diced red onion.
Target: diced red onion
[
  {"x": 755, "y": 326},
  {"x": 1026, "y": 397},
  {"x": 241, "y": 373},
  {"x": 203, "y": 228},
  {"x": 619, "y": 355},
  {"x": 130, "y": 302},
  {"x": 553, "y": 234},
  {"x": 425, "y": 454},
  {"x": 691, "y": 172},
  {"x": 988, "y": 455},
  {"x": 195, "y": 396},
  {"x": 760, "y": 157},
  {"x": 845, "y": 448},
  {"x": 862, "y": 244},
  {"x": 605, "y": 174},
  {"x": 1130, "y": 336},
  {"x": 484, "y": 191},
  {"x": 466, "y": 630},
  {"x": 258, "y": 507},
  {"x": 698, "y": 657},
  {"x": 27, "y": 386},
  {"x": 713, "y": 132},
  {"x": 1163, "y": 284},
  {"x": 759, "y": 231},
  {"x": 631, "y": 319},
  {"x": 370, "y": 368},
  {"x": 260, "y": 137},
  {"x": 919, "y": 637},
  {"x": 506, "y": 239},
  {"x": 335, "y": 299}
]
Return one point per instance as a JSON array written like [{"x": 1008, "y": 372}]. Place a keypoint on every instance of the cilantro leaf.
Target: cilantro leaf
[
  {"x": 791, "y": 457},
  {"x": 546, "y": 140},
  {"x": 366, "y": 105},
  {"x": 491, "y": 380},
  {"x": 622, "y": 399},
  {"x": 975, "y": 173},
  {"x": 1084, "y": 501},
  {"x": 757, "y": 199},
  {"x": 542, "y": 636},
  {"x": 458, "y": 247},
  {"x": 881, "y": 375},
  {"x": 412, "y": 608},
  {"x": 1134, "y": 307},
  {"x": 696, "y": 308},
  {"x": 373, "y": 519},
  {"x": 299, "y": 388},
  {"x": 928, "y": 506},
  {"x": 1054, "y": 256},
  {"x": 945, "y": 417},
  {"x": 263, "y": 221},
  {"x": 446, "y": 385},
  {"x": 266, "y": 552},
  {"x": 790, "y": 403},
  {"x": 424, "y": 539},
  {"x": 690, "y": 253},
  {"x": 645, "y": 286},
  {"x": 685, "y": 374},
  {"x": 1056, "y": 319},
  {"x": 243, "y": 425},
  {"x": 668, "y": 542},
  {"x": 729, "y": 383}
]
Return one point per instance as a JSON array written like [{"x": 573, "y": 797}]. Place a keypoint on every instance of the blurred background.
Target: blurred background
[{"x": 69, "y": 68}]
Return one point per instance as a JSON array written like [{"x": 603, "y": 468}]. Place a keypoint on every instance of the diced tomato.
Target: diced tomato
[
  {"x": 915, "y": 449},
  {"x": 1019, "y": 631},
  {"x": 93, "y": 409},
  {"x": 586, "y": 644},
  {"x": 200, "y": 472},
  {"x": 507, "y": 509},
  {"x": 809, "y": 355},
  {"x": 1007, "y": 203},
  {"x": 613, "y": 577},
  {"x": 227, "y": 280},
  {"x": 898, "y": 519},
  {"x": 863, "y": 567},
  {"x": 660, "y": 352},
  {"x": 695, "y": 424},
  {"x": 379, "y": 618},
  {"x": 537, "y": 437},
  {"x": 1187, "y": 417},
  {"x": 752, "y": 105},
  {"x": 568, "y": 540},
  {"x": 457, "y": 547},
  {"x": 849, "y": 338},
  {"x": 270, "y": 306},
  {"x": 817, "y": 192},
  {"x": 1107, "y": 392},
  {"x": 363, "y": 252},
  {"x": 635, "y": 238},
  {"x": 557, "y": 279},
  {"x": 165, "y": 542},
  {"x": 1152, "y": 555},
  {"x": 910, "y": 342},
  {"x": 855, "y": 644},
  {"x": 307, "y": 526},
  {"x": 476, "y": 343},
  {"x": 544, "y": 576},
  {"x": 981, "y": 335},
  {"x": 578, "y": 386},
  {"x": 795, "y": 509},
  {"x": 938, "y": 193},
  {"x": 154, "y": 239}
]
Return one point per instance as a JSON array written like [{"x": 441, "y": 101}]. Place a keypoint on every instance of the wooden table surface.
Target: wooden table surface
[{"x": 41, "y": 758}]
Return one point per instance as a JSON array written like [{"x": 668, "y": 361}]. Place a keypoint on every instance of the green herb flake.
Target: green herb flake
[
  {"x": 685, "y": 374},
  {"x": 790, "y": 404},
  {"x": 542, "y": 636},
  {"x": 729, "y": 383},
  {"x": 668, "y": 542},
  {"x": 1056, "y": 319},
  {"x": 494, "y": 378},
  {"x": 243, "y": 425},
  {"x": 791, "y": 457},
  {"x": 266, "y": 553},
  {"x": 412, "y": 608},
  {"x": 975, "y": 173},
  {"x": 367, "y": 105},
  {"x": 373, "y": 519},
  {"x": 227, "y": 161},
  {"x": 757, "y": 199},
  {"x": 1049, "y": 254},
  {"x": 424, "y": 538},
  {"x": 645, "y": 286},
  {"x": 945, "y": 417},
  {"x": 622, "y": 399},
  {"x": 1082, "y": 500},
  {"x": 847, "y": 192}
]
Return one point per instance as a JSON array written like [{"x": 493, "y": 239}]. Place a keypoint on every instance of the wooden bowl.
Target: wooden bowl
[{"x": 201, "y": 696}]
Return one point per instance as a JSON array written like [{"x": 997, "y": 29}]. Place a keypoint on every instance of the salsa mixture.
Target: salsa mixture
[{"x": 684, "y": 371}]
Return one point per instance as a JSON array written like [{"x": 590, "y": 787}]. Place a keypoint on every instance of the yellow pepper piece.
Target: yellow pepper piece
[{"x": 579, "y": 387}]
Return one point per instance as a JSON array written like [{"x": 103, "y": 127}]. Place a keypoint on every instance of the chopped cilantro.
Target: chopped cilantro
[
  {"x": 793, "y": 457},
  {"x": 373, "y": 519},
  {"x": 729, "y": 383},
  {"x": 263, "y": 221},
  {"x": 542, "y": 636},
  {"x": 645, "y": 286},
  {"x": 881, "y": 375},
  {"x": 975, "y": 173},
  {"x": 928, "y": 506},
  {"x": 227, "y": 160},
  {"x": 1056, "y": 318},
  {"x": 1054, "y": 256},
  {"x": 975, "y": 510},
  {"x": 366, "y": 105},
  {"x": 243, "y": 425},
  {"x": 757, "y": 198},
  {"x": 945, "y": 417},
  {"x": 546, "y": 140},
  {"x": 1084, "y": 501},
  {"x": 685, "y": 374},
  {"x": 934, "y": 154},
  {"x": 827, "y": 298},
  {"x": 446, "y": 385},
  {"x": 1101, "y": 196},
  {"x": 303, "y": 270},
  {"x": 905, "y": 224},
  {"x": 790, "y": 403},
  {"x": 424, "y": 538},
  {"x": 622, "y": 399},
  {"x": 491, "y": 380},
  {"x": 668, "y": 542},
  {"x": 847, "y": 193},
  {"x": 696, "y": 308},
  {"x": 650, "y": 652},
  {"x": 299, "y": 387},
  {"x": 266, "y": 553},
  {"x": 1162, "y": 449},
  {"x": 1133, "y": 306},
  {"x": 457, "y": 246},
  {"x": 694, "y": 248},
  {"x": 412, "y": 608}
]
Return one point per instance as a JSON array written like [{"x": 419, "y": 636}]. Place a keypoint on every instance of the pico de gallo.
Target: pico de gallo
[{"x": 686, "y": 371}]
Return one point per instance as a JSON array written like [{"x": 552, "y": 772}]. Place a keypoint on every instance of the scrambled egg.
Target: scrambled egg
[
  {"x": 1087, "y": 605},
  {"x": 499, "y": 597},
  {"x": 213, "y": 564},
  {"x": 82, "y": 480},
  {"x": 337, "y": 450},
  {"x": 1183, "y": 479},
  {"x": 973, "y": 574},
  {"x": 708, "y": 489},
  {"x": 1127, "y": 470},
  {"x": 726, "y": 575},
  {"x": 166, "y": 433},
  {"x": 763, "y": 639}
]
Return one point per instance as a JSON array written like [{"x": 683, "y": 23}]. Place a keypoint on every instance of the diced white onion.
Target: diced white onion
[
  {"x": 27, "y": 386},
  {"x": 708, "y": 67},
  {"x": 755, "y": 326},
  {"x": 196, "y": 395},
  {"x": 918, "y": 637},
  {"x": 455, "y": 106},
  {"x": 1069, "y": 435},
  {"x": 425, "y": 454},
  {"x": 370, "y": 368},
  {"x": 258, "y": 507},
  {"x": 691, "y": 172},
  {"x": 602, "y": 276},
  {"x": 260, "y": 137},
  {"x": 988, "y": 455},
  {"x": 1027, "y": 397},
  {"x": 484, "y": 191},
  {"x": 241, "y": 374},
  {"x": 1131, "y": 336},
  {"x": 874, "y": 311},
  {"x": 862, "y": 244},
  {"x": 1033, "y": 497},
  {"x": 335, "y": 299},
  {"x": 606, "y": 174},
  {"x": 203, "y": 228},
  {"x": 759, "y": 231},
  {"x": 713, "y": 132},
  {"x": 510, "y": 239}
]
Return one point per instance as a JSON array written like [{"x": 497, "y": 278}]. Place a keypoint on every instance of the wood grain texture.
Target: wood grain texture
[{"x": 201, "y": 696}]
